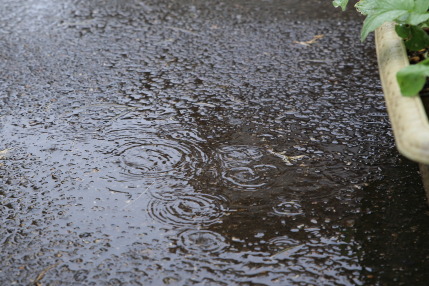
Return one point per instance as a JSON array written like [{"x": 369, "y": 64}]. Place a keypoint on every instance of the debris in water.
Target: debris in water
[
  {"x": 4, "y": 153},
  {"x": 43, "y": 273},
  {"x": 287, "y": 159},
  {"x": 312, "y": 41},
  {"x": 287, "y": 249}
]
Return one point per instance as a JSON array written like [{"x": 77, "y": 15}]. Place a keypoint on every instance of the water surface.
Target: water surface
[{"x": 199, "y": 143}]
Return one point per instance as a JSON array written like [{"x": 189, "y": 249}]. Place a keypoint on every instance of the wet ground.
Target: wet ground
[{"x": 200, "y": 143}]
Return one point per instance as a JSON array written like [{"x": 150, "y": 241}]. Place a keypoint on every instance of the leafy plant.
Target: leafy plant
[
  {"x": 411, "y": 18},
  {"x": 412, "y": 79}
]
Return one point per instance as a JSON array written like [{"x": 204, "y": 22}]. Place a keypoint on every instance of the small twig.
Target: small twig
[
  {"x": 43, "y": 273},
  {"x": 312, "y": 41},
  {"x": 141, "y": 194}
]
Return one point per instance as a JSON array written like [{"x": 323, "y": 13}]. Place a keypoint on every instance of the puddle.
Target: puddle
[
  {"x": 243, "y": 168},
  {"x": 198, "y": 143}
]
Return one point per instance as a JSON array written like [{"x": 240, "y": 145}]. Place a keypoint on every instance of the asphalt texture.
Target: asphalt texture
[{"x": 200, "y": 142}]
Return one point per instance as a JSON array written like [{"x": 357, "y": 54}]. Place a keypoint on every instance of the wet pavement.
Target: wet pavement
[{"x": 200, "y": 142}]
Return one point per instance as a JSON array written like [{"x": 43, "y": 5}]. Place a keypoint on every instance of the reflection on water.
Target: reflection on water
[
  {"x": 241, "y": 166},
  {"x": 191, "y": 143}
]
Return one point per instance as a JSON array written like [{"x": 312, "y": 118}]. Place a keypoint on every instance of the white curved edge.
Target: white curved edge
[{"x": 407, "y": 115}]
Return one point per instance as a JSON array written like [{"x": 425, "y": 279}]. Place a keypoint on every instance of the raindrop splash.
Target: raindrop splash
[
  {"x": 202, "y": 241},
  {"x": 190, "y": 209},
  {"x": 289, "y": 208},
  {"x": 241, "y": 166},
  {"x": 153, "y": 151}
]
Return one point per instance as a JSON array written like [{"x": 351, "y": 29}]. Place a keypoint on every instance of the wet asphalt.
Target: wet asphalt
[{"x": 200, "y": 142}]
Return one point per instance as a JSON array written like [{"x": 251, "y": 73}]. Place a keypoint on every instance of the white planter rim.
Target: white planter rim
[{"x": 407, "y": 115}]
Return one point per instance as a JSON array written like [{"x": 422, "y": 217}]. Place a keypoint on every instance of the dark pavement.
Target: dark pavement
[{"x": 200, "y": 143}]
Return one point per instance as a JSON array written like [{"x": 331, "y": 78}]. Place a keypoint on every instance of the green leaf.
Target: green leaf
[
  {"x": 372, "y": 7},
  {"x": 421, "y": 6},
  {"x": 413, "y": 12},
  {"x": 417, "y": 40},
  {"x": 403, "y": 31},
  {"x": 412, "y": 79},
  {"x": 366, "y": 7},
  {"x": 372, "y": 22},
  {"x": 340, "y": 3},
  {"x": 417, "y": 18},
  {"x": 381, "y": 11},
  {"x": 415, "y": 37}
]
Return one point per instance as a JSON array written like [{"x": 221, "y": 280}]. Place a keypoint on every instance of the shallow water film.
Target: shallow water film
[{"x": 200, "y": 142}]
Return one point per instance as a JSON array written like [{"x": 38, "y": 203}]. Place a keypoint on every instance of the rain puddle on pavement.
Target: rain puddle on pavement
[{"x": 199, "y": 143}]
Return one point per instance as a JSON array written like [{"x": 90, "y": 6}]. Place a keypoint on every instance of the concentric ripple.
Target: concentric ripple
[
  {"x": 191, "y": 209},
  {"x": 288, "y": 208},
  {"x": 249, "y": 177},
  {"x": 142, "y": 149},
  {"x": 241, "y": 166},
  {"x": 202, "y": 241},
  {"x": 152, "y": 157}
]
